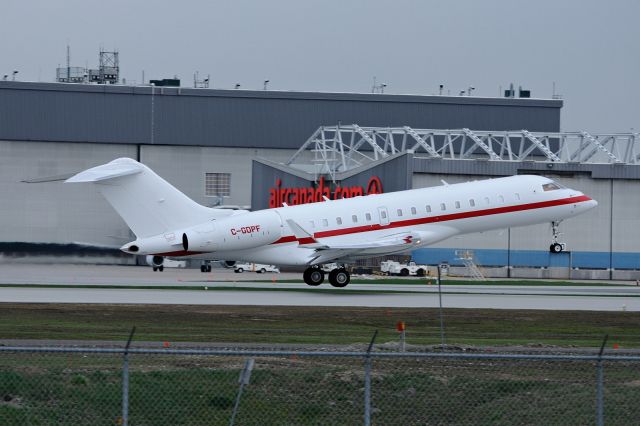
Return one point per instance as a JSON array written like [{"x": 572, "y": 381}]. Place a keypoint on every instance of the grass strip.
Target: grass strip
[{"x": 315, "y": 325}]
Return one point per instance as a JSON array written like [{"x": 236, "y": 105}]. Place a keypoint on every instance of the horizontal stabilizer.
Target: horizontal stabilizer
[{"x": 116, "y": 168}]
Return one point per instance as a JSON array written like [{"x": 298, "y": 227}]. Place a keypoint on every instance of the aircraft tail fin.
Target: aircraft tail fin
[{"x": 147, "y": 203}]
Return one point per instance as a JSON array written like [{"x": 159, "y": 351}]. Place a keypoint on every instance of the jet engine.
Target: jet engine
[{"x": 238, "y": 232}]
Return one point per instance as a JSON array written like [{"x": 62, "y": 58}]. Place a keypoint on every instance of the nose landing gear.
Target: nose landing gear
[{"x": 556, "y": 247}]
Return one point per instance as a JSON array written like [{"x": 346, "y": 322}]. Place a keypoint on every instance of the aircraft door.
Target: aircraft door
[{"x": 383, "y": 216}]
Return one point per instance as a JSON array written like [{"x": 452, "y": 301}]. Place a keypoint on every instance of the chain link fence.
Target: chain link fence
[{"x": 107, "y": 386}]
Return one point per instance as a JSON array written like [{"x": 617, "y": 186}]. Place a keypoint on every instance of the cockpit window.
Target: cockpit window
[{"x": 551, "y": 186}]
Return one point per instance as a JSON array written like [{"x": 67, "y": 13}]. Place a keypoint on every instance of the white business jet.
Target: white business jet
[{"x": 169, "y": 224}]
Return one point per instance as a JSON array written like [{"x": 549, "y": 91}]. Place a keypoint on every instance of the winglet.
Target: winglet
[{"x": 305, "y": 239}]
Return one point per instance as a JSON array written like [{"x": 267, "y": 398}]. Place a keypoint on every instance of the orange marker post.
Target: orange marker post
[{"x": 401, "y": 327}]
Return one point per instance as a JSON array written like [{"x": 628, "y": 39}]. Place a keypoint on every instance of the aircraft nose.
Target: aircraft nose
[{"x": 591, "y": 203}]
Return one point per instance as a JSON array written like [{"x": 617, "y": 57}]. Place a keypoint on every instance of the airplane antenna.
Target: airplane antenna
[{"x": 444, "y": 182}]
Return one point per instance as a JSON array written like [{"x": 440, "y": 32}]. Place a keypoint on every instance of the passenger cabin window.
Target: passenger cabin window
[
  {"x": 428, "y": 209},
  {"x": 457, "y": 204},
  {"x": 517, "y": 196},
  {"x": 551, "y": 186},
  {"x": 383, "y": 214},
  {"x": 472, "y": 202},
  {"x": 443, "y": 206},
  {"x": 354, "y": 218},
  {"x": 325, "y": 222},
  {"x": 487, "y": 201},
  {"x": 399, "y": 212},
  {"x": 368, "y": 217},
  {"x": 500, "y": 199},
  {"x": 312, "y": 223},
  {"x": 413, "y": 211},
  {"x": 339, "y": 220}
]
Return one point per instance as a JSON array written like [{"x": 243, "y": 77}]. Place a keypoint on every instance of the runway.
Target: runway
[{"x": 218, "y": 289}]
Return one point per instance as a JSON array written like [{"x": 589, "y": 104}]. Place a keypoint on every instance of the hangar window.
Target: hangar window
[
  {"x": 339, "y": 220},
  {"x": 414, "y": 211},
  {"x": 399, "y": 211},
  {"x": 443, "y": 206},
  {"x": 217, "y": 184},
  {"x": 354, "y": 218},
  {"x": 457, "y": 204},
  {"x": 428, "y": 208},
  {"x": 325, "y": 222},
  {"x": 472, "y": 202},
  {"x": 368, "y": 217}
]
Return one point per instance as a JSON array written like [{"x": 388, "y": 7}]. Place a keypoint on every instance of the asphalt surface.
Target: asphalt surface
[{"x": 242, "y": 289}]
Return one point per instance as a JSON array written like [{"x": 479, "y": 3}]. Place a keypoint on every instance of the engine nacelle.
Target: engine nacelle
[{"x": 236, "y": 232}]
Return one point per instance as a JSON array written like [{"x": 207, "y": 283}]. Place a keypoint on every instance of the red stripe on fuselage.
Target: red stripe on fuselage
[{"x": 441, "y": 218}]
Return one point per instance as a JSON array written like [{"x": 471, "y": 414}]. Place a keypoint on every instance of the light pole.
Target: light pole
[
  {"x": 440, "y": 304},
  {"x": 152, "y": 112}
]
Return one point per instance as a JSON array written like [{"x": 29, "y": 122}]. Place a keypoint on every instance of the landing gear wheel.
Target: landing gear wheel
[
  {"x": 161, "y": 268},
  {"x": 208, "y": 268},
  {"x": 313, "y": 276},
  {"x": 203, "y": 268},
  {"x": 155, "y": 269},
  {"x": 555, "y": 248},
  {"x": 339, "y": 277}
]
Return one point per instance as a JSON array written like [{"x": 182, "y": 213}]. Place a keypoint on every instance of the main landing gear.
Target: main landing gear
[
  {"x": 206, "y": 266},
  {"x": 555, "y": 246},
  {"x": 314, "y": 276}
]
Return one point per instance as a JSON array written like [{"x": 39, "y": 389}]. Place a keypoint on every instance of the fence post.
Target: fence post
[
  {"x": 245, "y": 376},
  {"x": 600, "y": 385},
  {"x": 367, "y": 382},
  {"x": 125, "y": 380}
]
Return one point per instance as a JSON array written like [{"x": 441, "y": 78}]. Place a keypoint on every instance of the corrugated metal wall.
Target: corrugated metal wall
[{"x": 239, "y": 118}]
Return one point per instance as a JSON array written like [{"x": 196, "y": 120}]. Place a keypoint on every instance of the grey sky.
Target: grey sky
[{"x": 589, "y": 48}]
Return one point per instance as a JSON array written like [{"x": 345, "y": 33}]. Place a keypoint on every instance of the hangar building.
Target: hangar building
[{"x": 231, "y": 147}]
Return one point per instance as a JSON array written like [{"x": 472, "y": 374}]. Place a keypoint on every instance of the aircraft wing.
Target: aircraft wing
[{"x": 394, "y": 243}]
